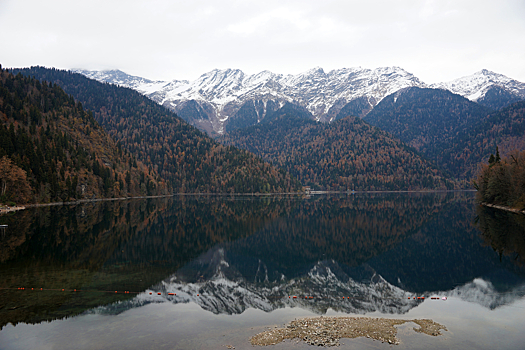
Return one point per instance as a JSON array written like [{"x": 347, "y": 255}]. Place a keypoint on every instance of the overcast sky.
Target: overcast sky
[{"x": 170, "y": 39}]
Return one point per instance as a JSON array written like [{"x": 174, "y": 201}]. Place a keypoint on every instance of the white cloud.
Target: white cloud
[
  {"x": 165, "y": 39},
  {"x": 266, "y": 22}
]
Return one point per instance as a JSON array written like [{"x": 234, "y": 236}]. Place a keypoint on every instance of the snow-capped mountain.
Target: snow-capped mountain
[
  {"x": 215, "y": 284},
  {"x": 226, "y": 291},
  {"x": 222, "y": 97},
  {"x": 117, "y": 77},
  {"x": 222, "y": 100},
  {"x": 475, "y": 87},
  {"x": 485, "y": 294},
  {"x": 325, "y": 92}
]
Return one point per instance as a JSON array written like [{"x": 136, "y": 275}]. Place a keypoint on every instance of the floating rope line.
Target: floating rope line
[
  {"x": 307, "y": 297},
  {"x": 71, "y": 290}
]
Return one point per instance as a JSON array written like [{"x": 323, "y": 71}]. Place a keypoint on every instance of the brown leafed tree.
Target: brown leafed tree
[
  {"x": 13, "y": 182},
  {"x": 502, "y": 181}
]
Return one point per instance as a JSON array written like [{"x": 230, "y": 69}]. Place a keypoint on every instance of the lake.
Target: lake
[{"x": 209, "y": 272}]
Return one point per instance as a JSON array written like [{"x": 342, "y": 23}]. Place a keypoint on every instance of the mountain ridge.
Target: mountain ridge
[
  {"x": 222, "y": 93},
  {"x": 475, "y": 86}
]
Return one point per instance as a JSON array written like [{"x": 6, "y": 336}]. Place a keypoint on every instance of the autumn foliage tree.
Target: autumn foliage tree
[
  {"x": 502, "y": 181},
  {"x": 64, "y": 153},
  {"x": 13, "y": 182},
  {"x": 348, "y": 154}
]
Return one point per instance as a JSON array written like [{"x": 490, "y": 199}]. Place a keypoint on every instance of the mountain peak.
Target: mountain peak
[
  {"x": 315, "y": 70},
  {"x": 475, "y": 86},
  {"x": 222, "y": 92}
]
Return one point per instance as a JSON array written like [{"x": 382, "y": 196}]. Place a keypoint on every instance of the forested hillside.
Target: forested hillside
[
  {"x": 434, "y": 122},
  {"x": 504, "y": 130},
  {"x": 186, "y": 158},
  {"x": 347, "y": 154},
  {"x": 51, "y": 149},
  {"x": 497, "y": 97}
]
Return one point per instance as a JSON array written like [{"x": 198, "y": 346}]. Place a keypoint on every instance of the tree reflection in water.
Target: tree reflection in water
[{"x": 503, "y": 231}]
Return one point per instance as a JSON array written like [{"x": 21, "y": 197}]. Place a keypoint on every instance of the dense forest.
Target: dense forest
[
  {"x": 498, "y": 97},
  {"x": 348, "y": 154},
  {"x": 167, "y": 155},
  {"x": 358, "y": 107},
  {"x": 502, "y": 180},
  {"x": 430, "y": 120},
  {"x": 187, "y": 159},
  {"x": 251, "y": 111},
  {"x": 473, "y": 146},
  {"x": 52, "y": 149}
]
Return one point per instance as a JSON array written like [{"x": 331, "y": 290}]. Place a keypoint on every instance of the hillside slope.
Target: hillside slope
[
  {"x": 60, "y": 148},
  {"x": 487, "y": 88},
  {"x": 431, "y": 121},
  {"x": 504, "y": 129},
  {"x": 188, "y": 159},
  {"x": 346, "y": 154}
]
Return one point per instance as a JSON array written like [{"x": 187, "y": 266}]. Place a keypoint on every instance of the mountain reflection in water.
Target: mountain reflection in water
[{"x": 376, "y": 250}]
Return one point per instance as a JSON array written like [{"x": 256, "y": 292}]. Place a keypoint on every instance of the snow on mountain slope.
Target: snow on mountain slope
[
  {"x": 223, "y": 86},
  {"x": 476, "y": 85},
  {"x": 230, "y": 97},
  {"x": 219, "y": 94},
  {"x": 118, "y": 77},
  {"x": 321, "y": 91},
  {"x": 317, "y": 291},
  {"x": 484, "y": 293},
  {"x": 215, "y": 284}
]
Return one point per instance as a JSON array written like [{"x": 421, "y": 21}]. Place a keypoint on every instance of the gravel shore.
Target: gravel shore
[{"x": 326, "y": 331}]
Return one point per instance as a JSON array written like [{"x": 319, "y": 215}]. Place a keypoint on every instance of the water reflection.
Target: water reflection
[
  {"x": 304, "y": 255},
  {"x": 108, "y": 246},
  {"x": 504, "y": 232},
  {"x": 230, "y": 254}
]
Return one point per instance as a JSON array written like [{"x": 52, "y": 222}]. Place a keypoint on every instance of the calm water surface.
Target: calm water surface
[{"x": 233, "y": 265}]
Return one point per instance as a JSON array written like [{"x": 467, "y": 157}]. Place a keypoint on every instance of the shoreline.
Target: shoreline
[
  {"x": 5, "y": 210},
  {"x": 502, "y": 207}
]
